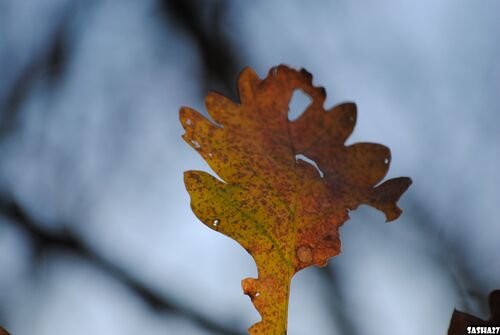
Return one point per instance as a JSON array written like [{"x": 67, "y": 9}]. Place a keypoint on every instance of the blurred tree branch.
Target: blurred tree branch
[
  {"x": 220, "y": 64},
  {"x": 49, "y": 63},
  {"x": 68, "y": 242},
  {"x": 218, "y": 55},
  {"x": 449, "y": 253},
  {"x": 335, "y": 300}
]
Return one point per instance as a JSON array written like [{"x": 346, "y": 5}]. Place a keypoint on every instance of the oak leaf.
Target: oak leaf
[
  {"x": 283, "y": 210},
  {"x": 460, "y": 320}
]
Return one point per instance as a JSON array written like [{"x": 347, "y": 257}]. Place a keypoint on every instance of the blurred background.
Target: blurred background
[{"x": 96, "y": 233}]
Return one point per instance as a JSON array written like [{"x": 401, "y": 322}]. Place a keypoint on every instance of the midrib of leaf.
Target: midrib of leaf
[
  {"x": 223, "y": 193},
  {"x": 294, "y": 217},
  {"x": 291, "y": 210}
]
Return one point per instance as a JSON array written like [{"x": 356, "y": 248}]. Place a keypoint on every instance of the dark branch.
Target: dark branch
[
  {"x": 335, "y": 300},
  {"x": 68, "y": 242},
  {"x": 218, "y": 54},
  {"x": 450, "y": 253}
]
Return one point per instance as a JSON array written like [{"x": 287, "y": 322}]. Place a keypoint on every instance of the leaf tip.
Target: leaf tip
[
  {"x": 190, "y": 177},
  {"x": 350, "y": 111},
  {"x": 247, "y": 83},
  {"x": 388, "y": 194}
]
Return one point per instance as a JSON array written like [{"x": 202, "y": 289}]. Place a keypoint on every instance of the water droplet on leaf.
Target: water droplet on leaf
[{"x": 196, "y": 144}]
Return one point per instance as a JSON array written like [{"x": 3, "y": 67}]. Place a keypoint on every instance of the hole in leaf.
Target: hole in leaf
[
  {"x": 188, "y": 122},
  {"x": 298, "y": 104},
  {"x": 257, "y": 294},
  {"x": 310, "y": 161},
  {"x": 386, "y": 160},
  {"x": 196, "y": 144},
  {"x": 216, "y": 222}
]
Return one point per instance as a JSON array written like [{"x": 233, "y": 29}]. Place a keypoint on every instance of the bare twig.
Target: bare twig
[
  {"x": 50, "y": 63},
  {"x": 219, "y": 56},
  {"x": 70, "y": 243}
]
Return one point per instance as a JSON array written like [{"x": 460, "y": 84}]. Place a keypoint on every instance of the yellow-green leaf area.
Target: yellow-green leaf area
[{"x": 269, "y": 197}]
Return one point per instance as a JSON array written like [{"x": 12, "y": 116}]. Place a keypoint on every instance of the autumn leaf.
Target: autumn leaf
[
  {"x": 460, "y": 320},
  {"x": 3, "y": 331},
  {"x": 275, "y": 204}
]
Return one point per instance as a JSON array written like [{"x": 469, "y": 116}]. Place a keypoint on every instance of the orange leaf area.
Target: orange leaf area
[
  {"x": 463, "y": 323},
  {"x": 272, "y": 200}
]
